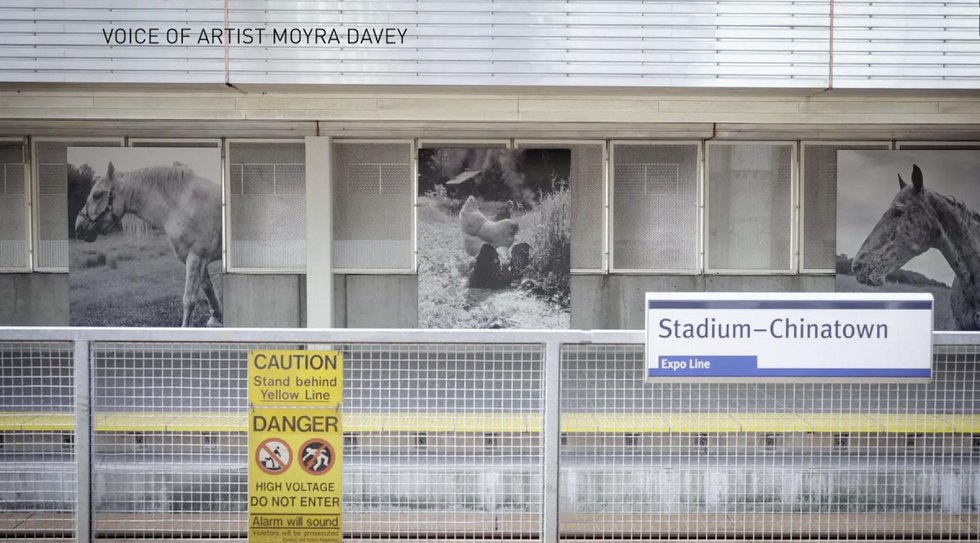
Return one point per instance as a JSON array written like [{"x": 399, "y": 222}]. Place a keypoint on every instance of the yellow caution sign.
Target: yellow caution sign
[
  {"x": 300, "y": 378},
  {"x": 294, "y": 475}
]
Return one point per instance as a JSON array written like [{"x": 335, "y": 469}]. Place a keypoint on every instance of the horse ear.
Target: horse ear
[
  {"x": 901, "y": 182},
  {"x": 916, "y": 178},
  {"x": 110, "y": 170}
]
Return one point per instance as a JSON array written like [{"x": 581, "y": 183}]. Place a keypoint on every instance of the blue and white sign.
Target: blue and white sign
[{"x": 788, "y": 336}]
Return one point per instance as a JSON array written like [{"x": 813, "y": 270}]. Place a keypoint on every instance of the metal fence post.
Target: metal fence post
[
  {"x": 552, "y": 440},
  {"x": 83, "y": 443}
]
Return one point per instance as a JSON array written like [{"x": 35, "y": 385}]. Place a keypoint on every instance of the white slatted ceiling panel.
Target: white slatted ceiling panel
[
  {"x": 907, "y": 44},
  {"x": 691, "y": 43},
  {"x": 62, "y": 41},
  {"x": 773, "y": 43}
]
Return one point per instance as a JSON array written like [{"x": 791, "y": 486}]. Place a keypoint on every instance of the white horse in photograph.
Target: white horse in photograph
[
  {"x": 174, "y": 200},
  {"x": 918, "y": 220}
]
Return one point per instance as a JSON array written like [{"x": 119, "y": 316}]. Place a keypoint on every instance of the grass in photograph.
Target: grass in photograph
[
  {"x": 541, "y": 297},
  {"x": 116, "y": 281}
]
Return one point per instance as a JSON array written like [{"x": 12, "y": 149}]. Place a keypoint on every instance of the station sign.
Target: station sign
[
  {"x": 295, "y": 475},
  {"x": 300, "y": 378},
  {"x": 773, "y": 337}
]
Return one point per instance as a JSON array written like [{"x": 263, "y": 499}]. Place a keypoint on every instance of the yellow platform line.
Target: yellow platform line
[{"x": 571, "y": 423}]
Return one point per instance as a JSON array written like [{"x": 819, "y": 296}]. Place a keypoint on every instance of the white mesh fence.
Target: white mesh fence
[
  {"x": 440, "y": 440},
  {"x": 447, "y": 441},
  {"x": 767, "y": 460},
  {"x": 37, "y": 441}
]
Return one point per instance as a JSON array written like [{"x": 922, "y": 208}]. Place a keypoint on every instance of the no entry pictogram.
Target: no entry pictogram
[
  {"x": 316, "y": 456},
  {"x": 273, "y": 456}
]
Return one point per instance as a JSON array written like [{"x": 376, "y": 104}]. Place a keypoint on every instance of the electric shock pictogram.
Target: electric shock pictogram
[{"x": 316, "y": 456}]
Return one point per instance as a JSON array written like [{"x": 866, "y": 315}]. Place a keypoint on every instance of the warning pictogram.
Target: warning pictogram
[
  {"x": 273, "y": 456},
  {"x": 316, "y": 456}
]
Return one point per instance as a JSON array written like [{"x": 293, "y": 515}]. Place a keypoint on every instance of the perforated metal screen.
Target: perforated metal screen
[
  {"x": 373, "y": 195},
  {"x": 37, "y": 441},
  {"x": 53, "y": 222},
  {"x": 820, "y": 203},
  {"x": 655, "y": 206},
  {"x": 13, "y": 207},
  {"x": 586, "y": 180},
  {"x": 750, "y": 206},
  {"x": 267, "y": 205},
  {"x": 700, "y": 461}
]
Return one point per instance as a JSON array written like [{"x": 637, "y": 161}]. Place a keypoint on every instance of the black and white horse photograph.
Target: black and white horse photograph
[
  {"x": 144, "y": 236},
  {"x": 908, "y": 221},
  {"x": 494, "y": 238}
]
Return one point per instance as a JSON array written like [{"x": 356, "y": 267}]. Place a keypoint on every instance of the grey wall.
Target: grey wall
[
  {"x": 33, "y": 299},
  {"x": 616, "y": 301},
  {"x": 382, "y": 301},
  {"x": 264, "y": 301},
  {"x": 391, "y": 301}
]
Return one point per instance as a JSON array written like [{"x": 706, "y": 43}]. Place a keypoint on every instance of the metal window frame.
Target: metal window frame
[
  {"x": 226, "y": 251},
  {"x": 794, "y": 199},
  {"x": 537, "y": 143},
  {"x": 28, "y": 203},
  {"x": 35, "y": 194},
  {"x": 413, "y": 170},
  {"x": 464, "y": 143},
  {"x": 801, "y": 233},
  {"x": 935, "y": 145},
  {"x": 218, "y": 142},
  {"x": 699, "y": 264}
]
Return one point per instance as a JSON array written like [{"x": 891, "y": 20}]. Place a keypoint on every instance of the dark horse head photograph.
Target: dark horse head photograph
[
  {"x": 494, "y": 238},
  {"x": 907, "y": 221},
  {"x": 144, "y": 236}
]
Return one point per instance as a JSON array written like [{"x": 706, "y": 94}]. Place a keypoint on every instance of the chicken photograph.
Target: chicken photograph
[
  {"x": 494, "y": 238},
  {"x": 478, "y": 230}
]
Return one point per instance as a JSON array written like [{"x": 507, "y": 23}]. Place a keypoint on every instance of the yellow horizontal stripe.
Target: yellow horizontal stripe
[{"x": 572, "y": 423}]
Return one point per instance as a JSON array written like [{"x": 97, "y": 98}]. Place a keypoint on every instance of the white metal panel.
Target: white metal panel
[
  {"x": 906, "y": 44},
  {"x": 547, "y": 42},
  {"x": 63, "y": 41},
  {"x": 762, "y": 43},
  {"x": 690, "y": 43}
]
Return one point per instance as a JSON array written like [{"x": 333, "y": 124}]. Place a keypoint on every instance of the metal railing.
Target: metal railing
[{"x": 493, "y": 435}]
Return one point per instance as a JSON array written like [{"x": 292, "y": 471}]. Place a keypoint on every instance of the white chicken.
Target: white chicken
[{"x": 478, "y": 229}]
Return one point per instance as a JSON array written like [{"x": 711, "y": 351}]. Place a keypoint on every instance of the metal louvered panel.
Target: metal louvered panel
[
  {"x": 693, "y": 43},
  {"x": 55, "y": 41},
  {"x": 543, "y": 42},
  {"x": 885, "y": 44}
]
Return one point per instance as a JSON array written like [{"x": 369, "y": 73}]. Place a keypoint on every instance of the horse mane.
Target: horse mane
[
  {"x": 960, "y": 205},
  {"x": 167, "y": 179}
]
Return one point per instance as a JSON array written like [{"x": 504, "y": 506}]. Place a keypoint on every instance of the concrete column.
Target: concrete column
[{"x": 319, "y": 233}]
